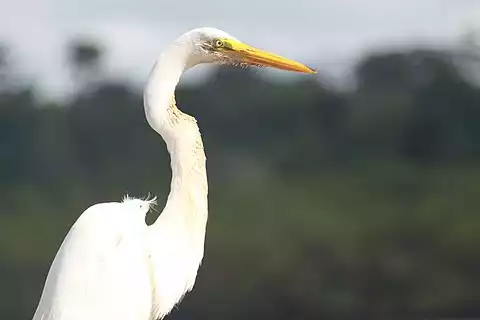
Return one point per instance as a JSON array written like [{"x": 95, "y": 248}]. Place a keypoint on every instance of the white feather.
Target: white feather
[{"x": 113, "y": 266}]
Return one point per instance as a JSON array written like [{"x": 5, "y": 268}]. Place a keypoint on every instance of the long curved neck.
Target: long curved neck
[{"x": 189, "y": 188}]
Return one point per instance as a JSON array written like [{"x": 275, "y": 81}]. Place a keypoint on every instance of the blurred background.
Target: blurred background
[{"x": 351, "y": 194}]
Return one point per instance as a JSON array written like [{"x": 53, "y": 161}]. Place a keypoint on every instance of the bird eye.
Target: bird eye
[{"x": 218, "y": 43}]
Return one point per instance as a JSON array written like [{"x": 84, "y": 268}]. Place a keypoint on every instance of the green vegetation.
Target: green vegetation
[{"x": 323, "y": 204}]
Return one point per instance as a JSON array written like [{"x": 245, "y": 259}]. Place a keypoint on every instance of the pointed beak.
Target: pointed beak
[{"x": 259, "y": 57}]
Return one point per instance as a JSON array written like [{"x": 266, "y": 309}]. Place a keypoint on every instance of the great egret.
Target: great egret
[{"x": 111, "y": 265}]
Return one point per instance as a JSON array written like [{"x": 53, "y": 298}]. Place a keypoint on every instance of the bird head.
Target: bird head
[{"x": 214, "y": 45}]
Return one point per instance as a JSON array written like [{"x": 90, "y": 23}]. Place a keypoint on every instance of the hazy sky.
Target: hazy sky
[{"x": 322, "y": 33}]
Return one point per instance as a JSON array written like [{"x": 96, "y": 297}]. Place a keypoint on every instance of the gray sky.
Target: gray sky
[{"x": 322, "y": 33}]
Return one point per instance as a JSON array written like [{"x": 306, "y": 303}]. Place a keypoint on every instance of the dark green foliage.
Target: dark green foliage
[{"x": 323, "y": 205}]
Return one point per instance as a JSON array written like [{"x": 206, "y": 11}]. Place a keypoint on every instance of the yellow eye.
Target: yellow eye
[{"x": 218, "y": 43}]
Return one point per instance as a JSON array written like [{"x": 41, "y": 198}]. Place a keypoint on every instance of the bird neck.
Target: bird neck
[{"x": 188, "y": 194}]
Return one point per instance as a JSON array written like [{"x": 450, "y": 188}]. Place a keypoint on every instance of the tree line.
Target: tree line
[{"x": 324, "y": 203}]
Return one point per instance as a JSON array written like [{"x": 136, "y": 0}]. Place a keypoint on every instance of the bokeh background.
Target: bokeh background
[{"x": 351, "y": 194}]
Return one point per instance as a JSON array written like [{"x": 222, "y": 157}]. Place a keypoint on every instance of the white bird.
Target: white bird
[{"x": 111, "y": 265}]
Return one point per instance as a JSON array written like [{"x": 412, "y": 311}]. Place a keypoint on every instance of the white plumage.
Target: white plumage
[{"x": 111, "y": 265}]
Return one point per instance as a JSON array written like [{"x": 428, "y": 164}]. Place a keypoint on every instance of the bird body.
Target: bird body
[
  {"x": 107, "y": 243},
  {"x": 111, "y": 265}
]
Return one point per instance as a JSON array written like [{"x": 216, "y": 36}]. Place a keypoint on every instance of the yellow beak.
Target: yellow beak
[{"x": 256, "y": 56}]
